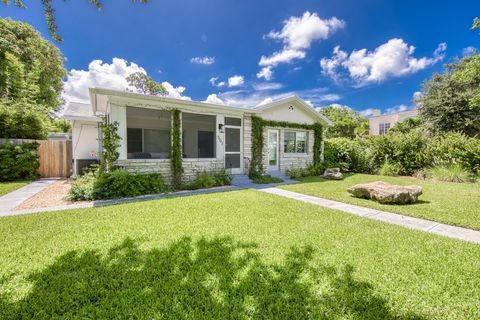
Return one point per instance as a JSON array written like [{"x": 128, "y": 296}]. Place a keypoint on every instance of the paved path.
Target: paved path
[
  {"x": 393, "y": 218},
  {"x": 16, "y": 197}
]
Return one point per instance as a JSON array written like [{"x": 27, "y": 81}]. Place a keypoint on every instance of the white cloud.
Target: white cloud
[
  {"x": 235, "y": 81},
  {"x": 391, "y": 59},
  {"x": 297, "y": 35},
  {"x": 266, "y": 73},
  {"x": 213, "y": 98},
  {"x": 267, "y": 86},
  {"x": 397, "y": 108},
  {"x": 367, "y": 113},
  {"x": 107, "y": 75},
  {"x": 214, "y": 82},
  {"x": 265, "y": 101},
  {"x": 203, "y": 60},
  {"x": 469, "y": 51}
]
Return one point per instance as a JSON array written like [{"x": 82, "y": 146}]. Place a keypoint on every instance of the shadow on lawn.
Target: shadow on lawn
[{"x": 216, "y": 278}]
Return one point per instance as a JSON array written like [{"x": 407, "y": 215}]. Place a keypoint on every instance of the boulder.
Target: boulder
[
  {"x": 386, "y": 193},
  {"x": 333, "y": 173}
]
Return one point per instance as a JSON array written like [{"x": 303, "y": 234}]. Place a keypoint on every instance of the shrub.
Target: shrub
[
  {"x": 82, "y": 187},
  {"x": 389, "y": 169},
  {"x": 204, "y": 180},
  {"x": 348, "y": 154},
  {"x": 125, "y": 184},
  {"x": 266, "y": 179},
  {"x": 18, "y": 162},
  {"x": 449, "y": 172},
  {"x": 310, "y": 171},
  {"x": 455, "y": 148}
]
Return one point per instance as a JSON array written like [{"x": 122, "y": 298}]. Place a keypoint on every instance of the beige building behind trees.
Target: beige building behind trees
[{"x": 380, "y": 124}]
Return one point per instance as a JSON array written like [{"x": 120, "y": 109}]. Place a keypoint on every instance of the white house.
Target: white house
[{"x": 213, "y": 136}]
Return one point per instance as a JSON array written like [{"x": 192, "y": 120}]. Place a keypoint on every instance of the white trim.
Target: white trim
[{"x": 277, "y": 166}]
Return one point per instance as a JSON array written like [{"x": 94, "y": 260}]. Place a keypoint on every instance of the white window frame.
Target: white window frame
[
  {"x": 306, "y": 142},
  {"x": 383, "y": 128}
]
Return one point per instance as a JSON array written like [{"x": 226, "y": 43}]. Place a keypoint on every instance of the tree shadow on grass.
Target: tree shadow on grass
[{"x": 210, "y": 278}]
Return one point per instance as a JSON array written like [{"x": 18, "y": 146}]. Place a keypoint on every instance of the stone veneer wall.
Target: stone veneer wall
[
  {"x": 162, "y": 166},
  {"x": 288, "y": 161}
]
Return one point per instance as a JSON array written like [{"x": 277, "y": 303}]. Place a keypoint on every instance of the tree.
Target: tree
[
  {"x": 347, "y": 123},
  {"x": 476, "y": 23},
  {"x": 50, "y": 13},
  {"x": 31, "y": 71},
  {"x": 451, "y": 101},
  {"x": 145, "y": 85},
  {"x": 407, "y": 125}
]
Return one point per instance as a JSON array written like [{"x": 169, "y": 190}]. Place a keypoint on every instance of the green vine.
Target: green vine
[
  {"x": 110, "y": 145},
  {"x": 258, "y": 124},
  {"x": 176, "y": 151}
]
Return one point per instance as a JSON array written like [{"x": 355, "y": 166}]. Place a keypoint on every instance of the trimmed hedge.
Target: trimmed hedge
[{"x": 18, "y": 162}]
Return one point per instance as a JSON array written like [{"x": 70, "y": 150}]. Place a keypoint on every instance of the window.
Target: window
[
  {"x": 383, "y": 128},
  {"x": 233, "y": 122},
  {"x": 199, "y": 135},
  {"x": 295, "y": 142},
  {"x": 148, "y": 133}
]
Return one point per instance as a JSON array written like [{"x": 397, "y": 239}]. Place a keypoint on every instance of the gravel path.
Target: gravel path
[{"x": 52, "y": 196}]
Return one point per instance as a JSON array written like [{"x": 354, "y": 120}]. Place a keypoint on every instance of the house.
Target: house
[
  {"x": 213, "y": 136},
  {"x": 380, "y": 124}
]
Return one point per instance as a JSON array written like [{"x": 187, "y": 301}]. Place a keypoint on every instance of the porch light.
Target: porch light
[{"x": 220, "y": 127}]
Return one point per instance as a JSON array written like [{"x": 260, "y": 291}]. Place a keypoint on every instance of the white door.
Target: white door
[
  {"x": 233, "y": 145},
  {"x": 273, "y": 145}
]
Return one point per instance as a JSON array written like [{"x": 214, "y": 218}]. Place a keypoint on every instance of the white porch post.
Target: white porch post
[{"x": 119, "y": 114}]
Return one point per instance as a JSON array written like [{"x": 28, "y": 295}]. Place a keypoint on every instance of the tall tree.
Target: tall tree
[
  {"x": 50, "y": 13},
  {"x": 451, "y": 101},
  {"x": 31, "y": 71},
  {"x": 476, "y": 23},
  {"x": 347, "y": 123},
  {"x": 145, "y": 85}
]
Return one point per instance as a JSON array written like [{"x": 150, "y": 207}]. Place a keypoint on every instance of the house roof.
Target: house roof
[
  {"x": 99, "y": 98},
  {"x": 79, "y": 111},
  {"x": 305, "y": 106}
]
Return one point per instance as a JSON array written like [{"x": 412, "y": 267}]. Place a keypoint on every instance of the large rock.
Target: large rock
[
  {"x": 333, "y": 173},
  {"x": 386, "y": 193}
]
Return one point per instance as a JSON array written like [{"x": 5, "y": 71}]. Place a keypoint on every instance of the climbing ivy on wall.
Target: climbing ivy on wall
[
  {"x": 176, "y": 151},
  {"x": 110, "y": 145},
  {"x": 258, "y": 124}
]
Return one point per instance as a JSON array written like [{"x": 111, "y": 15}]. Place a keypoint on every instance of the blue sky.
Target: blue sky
[{"x": 374, "y": 63}]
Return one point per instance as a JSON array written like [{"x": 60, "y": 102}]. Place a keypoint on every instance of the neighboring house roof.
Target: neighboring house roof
[
  {"x": 99, "y": 98},
  {"x": 411, "y": 112},
  {"x": 79, "y": 111}
]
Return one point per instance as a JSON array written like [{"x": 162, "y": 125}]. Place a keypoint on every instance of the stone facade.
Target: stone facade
[{"x": 162, "y": 166}]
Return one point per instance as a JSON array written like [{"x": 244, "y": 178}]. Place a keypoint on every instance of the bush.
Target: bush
[
  {"x": 310, "y": 171},
  {"x": 82, "y": 187},
  {"x": 266, "y": 179},
  {"x": 18, "y": 162},
  {"x": 389, "y": 169},
  {"x": 115, "y": 184},
  {"x": 351, "y": 155},
  {"x": 204, "y": 180},
  {"x": 449, "y": 172},
  {"x": 455, "y": 148}
]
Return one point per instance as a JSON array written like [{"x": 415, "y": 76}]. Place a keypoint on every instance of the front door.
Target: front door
[
  {"x": 233, "y": 150},
  {"x": 272, "y": 150}
]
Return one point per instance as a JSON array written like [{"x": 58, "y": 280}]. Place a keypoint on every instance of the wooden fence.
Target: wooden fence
[{"x": 55, "y": 156}]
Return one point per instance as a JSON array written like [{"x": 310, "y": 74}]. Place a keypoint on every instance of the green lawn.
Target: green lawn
[
  {"x": 241, "y": 254},
  {"x": 448, "y": 202},
  {"x": 6, "y": 187}
]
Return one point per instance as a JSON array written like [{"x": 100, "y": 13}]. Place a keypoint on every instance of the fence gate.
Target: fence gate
[{"x": 55, "y": 156}]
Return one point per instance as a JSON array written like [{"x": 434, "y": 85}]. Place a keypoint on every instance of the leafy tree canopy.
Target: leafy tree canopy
[
  {"x": 347, "y": 123},
  {"x": 145, "y": 85},
  {"x": 407, "y": 125},
  {"x": 50, "y": 13},
  {"x": 476, "y": 23},
  {"x": 451, "y": 101}
]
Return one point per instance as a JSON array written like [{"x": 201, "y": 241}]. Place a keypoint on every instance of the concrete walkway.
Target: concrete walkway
[
  {"x": 16, "y": 197},
  {"x": 393, "y": 218}
]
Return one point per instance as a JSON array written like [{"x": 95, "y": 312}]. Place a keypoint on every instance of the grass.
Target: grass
[
  {"x": 242, "y": 254},
  {"x": 448, "y": 202},
  {"x": 266, "y": 179},
  {"x": 7, "y": 187}
]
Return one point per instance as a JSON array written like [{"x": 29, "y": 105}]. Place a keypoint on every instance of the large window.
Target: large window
[
  {"x": 295, "y": 142},
  {"x": 199, "y": 135},
  {"x": 148, "y": 133},
  {"x": 383, "y": 128}
]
